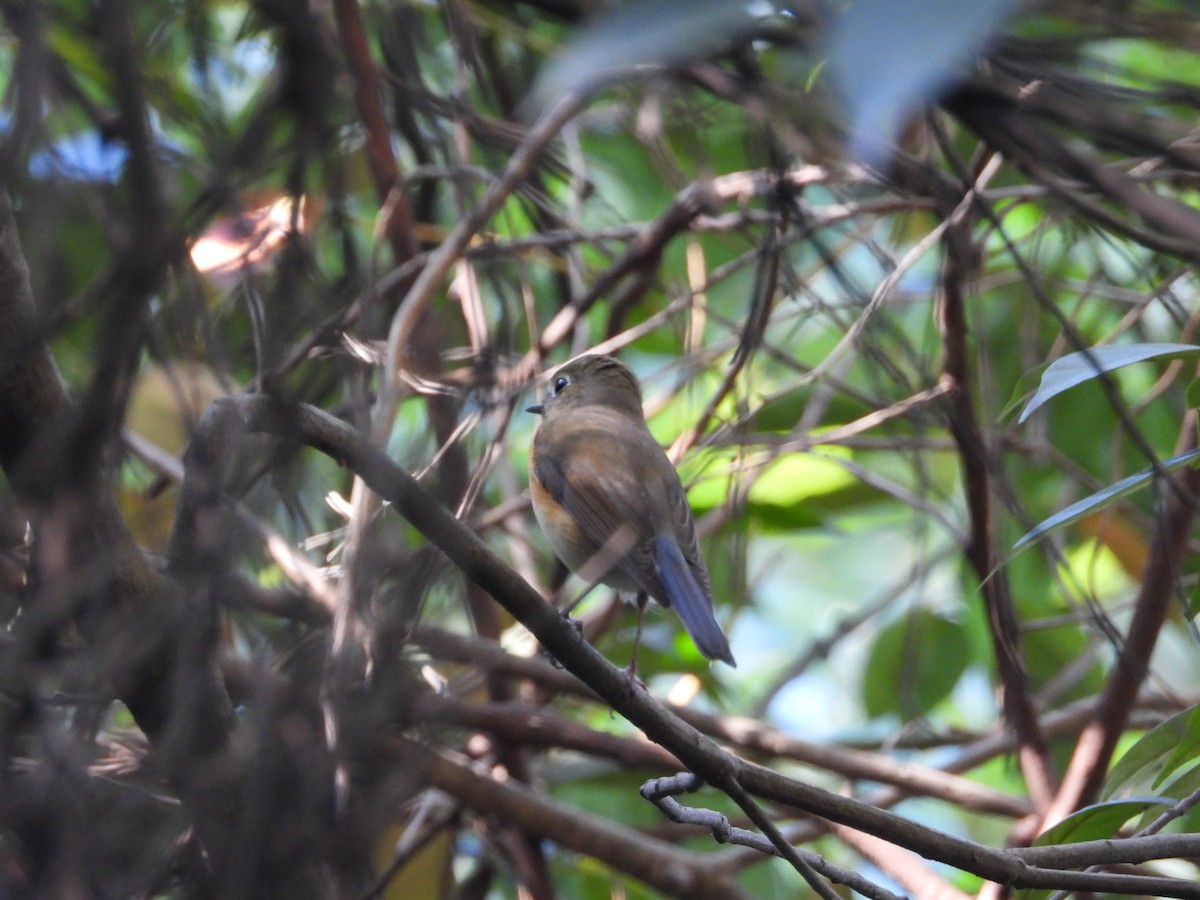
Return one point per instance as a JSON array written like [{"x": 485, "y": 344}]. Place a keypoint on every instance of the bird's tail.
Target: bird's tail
[{"x": 690, "y": 601}]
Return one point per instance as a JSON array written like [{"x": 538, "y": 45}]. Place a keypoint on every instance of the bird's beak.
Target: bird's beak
[{"x": 536, "y": 408}]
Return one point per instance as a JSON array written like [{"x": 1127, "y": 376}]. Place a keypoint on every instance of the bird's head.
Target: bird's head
[{"x": 591, "y": 381}]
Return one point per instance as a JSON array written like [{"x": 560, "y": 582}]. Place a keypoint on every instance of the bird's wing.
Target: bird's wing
[
  {"x": 683, "y": 527},
  {"x": 589, "y": 477}
]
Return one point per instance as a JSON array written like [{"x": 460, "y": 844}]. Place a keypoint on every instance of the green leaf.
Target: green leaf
[
  {"x": 1185, "y": 750},
  {"x": 1178, "y": 789},
  {"x": 82, "y": 56},
  {"x": 1076, "y": 368},
  {"x": 914, "y": 664},
  {"x": 1151, "y": 750},
  {"x": 1101, "y": 498},
  {"x": 783, "y": 494},
  {"x": 1092, "y": 823},
  {"x": 1026, "y": 385}
]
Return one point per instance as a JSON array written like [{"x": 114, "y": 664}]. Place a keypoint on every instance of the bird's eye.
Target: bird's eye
[{"x": 559, "y": 383}]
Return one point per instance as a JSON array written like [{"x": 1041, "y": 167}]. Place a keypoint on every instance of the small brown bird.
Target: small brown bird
[{"x": 609, "y": 500}]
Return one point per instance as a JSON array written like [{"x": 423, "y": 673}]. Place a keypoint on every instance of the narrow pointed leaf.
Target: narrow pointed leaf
[
  {"x": 1097, "y": 822},
  {"x": 1148, "y": 753},
  {"x": 1076, "y": 368},
  {"x": 1185, "y": 750},
  {"x": 1110, "y": 494}
]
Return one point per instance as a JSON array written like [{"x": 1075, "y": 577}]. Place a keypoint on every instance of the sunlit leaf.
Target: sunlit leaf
[
  {"x": 1076, "y": 368},
  {"x": 244, "y": 242},
  {"x": 1101, "y": 498},
  {"x": 1150, "y": 751},
  {"x": 782, "y": 495},
  {"x": 1121, "y": 538}
]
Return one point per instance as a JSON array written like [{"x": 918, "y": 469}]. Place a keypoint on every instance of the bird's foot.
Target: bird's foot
[
  {"x": 631, "y": 676},
  {"x": 577, "y": 624}
]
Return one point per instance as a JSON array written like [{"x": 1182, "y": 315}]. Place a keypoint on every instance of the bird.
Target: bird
[{"x": 611, "y": 503}]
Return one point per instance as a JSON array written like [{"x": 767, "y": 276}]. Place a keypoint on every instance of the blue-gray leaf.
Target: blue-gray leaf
[
  {"x": 1076, "y": 368},
  {"x": 888, "y": 57},
  {"x": 1102, "y": 498}
]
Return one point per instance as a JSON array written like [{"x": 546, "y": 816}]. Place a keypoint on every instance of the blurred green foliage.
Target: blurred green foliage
[{"x": 852, "y": 547}]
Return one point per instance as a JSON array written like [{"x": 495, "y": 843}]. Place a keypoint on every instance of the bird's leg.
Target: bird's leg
[
  {"x": 631, "y": 669},
  {"x": 570, "y": 607},
  {"x": 600, "y": 565}
]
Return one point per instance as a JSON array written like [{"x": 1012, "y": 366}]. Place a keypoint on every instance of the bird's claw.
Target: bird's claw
[
  {"x": 631, "y": 676},
  {"x": 574, "y": 623}
]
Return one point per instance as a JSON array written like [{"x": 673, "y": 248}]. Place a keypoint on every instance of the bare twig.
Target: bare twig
[
  {"x": 661, "y": 791},
  {"x": 664, "y": 867}
]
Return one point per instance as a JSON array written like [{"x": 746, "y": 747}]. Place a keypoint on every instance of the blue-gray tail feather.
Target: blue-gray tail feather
[{"x": 689, "y": 600}]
